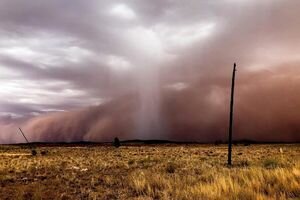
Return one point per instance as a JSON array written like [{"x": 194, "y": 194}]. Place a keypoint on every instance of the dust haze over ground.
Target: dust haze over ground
[{"x": 73, "y": 71}]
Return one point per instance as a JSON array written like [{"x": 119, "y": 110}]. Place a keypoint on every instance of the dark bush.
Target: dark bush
[
  {"x": 218, "y": 142},
  {"x": 171, "y": 167},
  {"x": 116, "y": 142},
  {"x": 33, "y": 152}
]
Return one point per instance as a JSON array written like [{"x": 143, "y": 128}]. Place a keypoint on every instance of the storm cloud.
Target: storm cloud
[{"x": 92, "y": 70}]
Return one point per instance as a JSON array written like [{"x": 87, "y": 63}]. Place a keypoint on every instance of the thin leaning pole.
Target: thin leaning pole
[
  {"x": 231, "y": 116},
  {"x": 33, "y": 151},
  {"x": 24, "y": 135}
]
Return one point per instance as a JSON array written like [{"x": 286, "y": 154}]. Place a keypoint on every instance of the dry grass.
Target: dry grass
[{"x": 151, "y": 172}]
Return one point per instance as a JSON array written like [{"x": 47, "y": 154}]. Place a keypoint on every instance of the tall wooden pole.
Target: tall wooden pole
[{"x": 231, "y": 116}]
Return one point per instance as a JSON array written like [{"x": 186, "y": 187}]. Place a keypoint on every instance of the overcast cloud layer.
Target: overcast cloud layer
[{"x": 76, "y": 70}]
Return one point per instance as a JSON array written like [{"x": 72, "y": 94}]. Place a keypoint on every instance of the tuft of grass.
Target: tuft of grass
[
  {"x": 131, "y": 162},
  {"x": 272, "y": 163},
  {"x": 171, "y": 167},
  {"x": 245, "y": 163}
]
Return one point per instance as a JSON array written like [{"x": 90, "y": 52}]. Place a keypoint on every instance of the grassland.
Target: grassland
[{"x": 150, "y": 172}]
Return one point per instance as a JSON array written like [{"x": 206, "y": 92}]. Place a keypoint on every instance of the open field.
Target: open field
[{"x": 150, "y": 172}]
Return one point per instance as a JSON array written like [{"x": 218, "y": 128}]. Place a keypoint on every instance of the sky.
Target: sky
[{"x": 74, "y": 70}]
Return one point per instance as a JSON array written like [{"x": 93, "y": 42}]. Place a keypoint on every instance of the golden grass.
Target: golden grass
[{"x": 151, "y": 172}]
